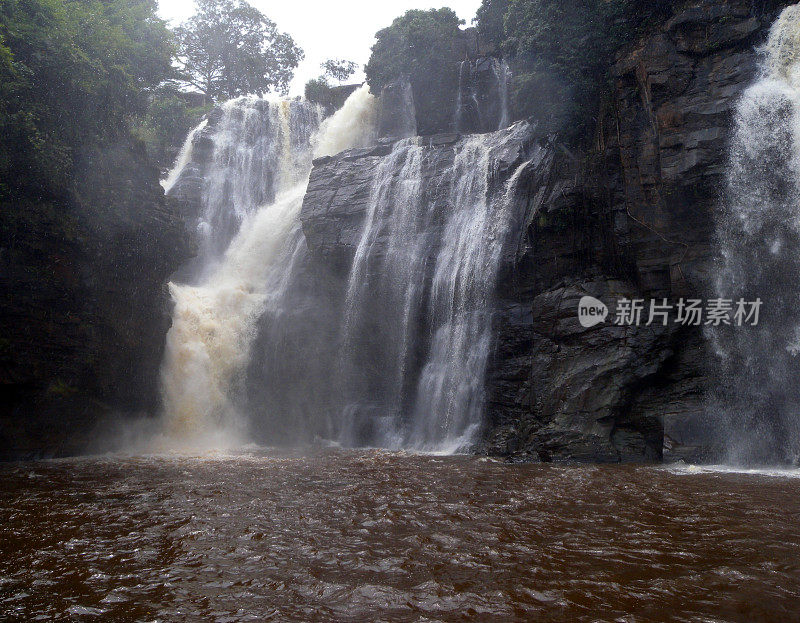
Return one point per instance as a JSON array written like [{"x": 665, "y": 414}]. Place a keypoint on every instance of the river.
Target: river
[{"x": 335, "y": 535}]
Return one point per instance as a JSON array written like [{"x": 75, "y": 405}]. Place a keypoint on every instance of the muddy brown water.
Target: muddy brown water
[{"x": 379, "y": 536}]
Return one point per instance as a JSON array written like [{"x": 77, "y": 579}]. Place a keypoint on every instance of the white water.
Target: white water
[
  {"x": 450, "y": 396},
  {"x": 503, "y": 73},
  {"x": 432, "y": 284},
  {"x": 353, "y": 126},
  {"x": 262, "y": 158},
  {"x": 758, "y": 401},
  {"x": 184, "y": 156},
  {"x": 692, "y": 470}
]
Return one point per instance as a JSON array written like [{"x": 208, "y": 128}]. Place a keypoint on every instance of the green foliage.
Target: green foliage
[
  {"x": 338, "y": 70},
  {"x": 331, "y": 98},
  {"x": 490, "y": 20},
  {"x": 419, "y": 45},
  {"x": 73, "y": 72},
  {"x": 562, "y": 50},
  {"x": 319, "y": 92},
  {"x": 166, "y": 123},
  {"x": 229, "y": 48},
  {"x": 424, "y": 47}
]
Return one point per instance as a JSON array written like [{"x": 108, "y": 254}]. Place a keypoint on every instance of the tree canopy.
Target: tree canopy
[
  {"x": 71, "y": 75},
  {"x": 228, "y": 48},
  {"x": 338, "y": 69},
  {"x": 418, "y": 44},
  {"x": 425, "y": 47}
]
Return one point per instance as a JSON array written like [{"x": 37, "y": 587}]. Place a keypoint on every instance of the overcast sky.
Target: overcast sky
[{"x": 329, "y": 28}]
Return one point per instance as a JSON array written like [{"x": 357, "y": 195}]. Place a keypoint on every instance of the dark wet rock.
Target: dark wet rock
[
  {"x": 632, "y": 216},
  {"x": 85, "y": 303}
]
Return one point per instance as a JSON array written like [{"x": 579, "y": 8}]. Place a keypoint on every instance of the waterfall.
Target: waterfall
[
  {"x": 261, "y": 148},
  {"x": 353, "y": 126},
  {"x": 417, "y": 324},
  {"x": 266, "y": 345},
  {"x": 184, "y": 156},
  {"x": 482, "y": 102},
  {"x": 252, "y": 192},
  {"x": 502, "y": 73},
  {"x": 758, "y": 396},
  {"x": 464, "y": 96},
  {"x": 450, "y": 399}
]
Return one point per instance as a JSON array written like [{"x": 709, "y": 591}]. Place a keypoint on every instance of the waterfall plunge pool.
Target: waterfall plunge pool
[{"x": 338, "y": 535}]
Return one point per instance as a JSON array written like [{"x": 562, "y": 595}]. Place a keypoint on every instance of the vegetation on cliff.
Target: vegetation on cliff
[
  {"x": 86, "y": 241},
  {"x": 562, "y": 51},
  {"x": 72, "y": 74},
  {"x": 423, "y": 47},
  {"x": 327, "y": 89},
  {"x": 419, "y": 44}
]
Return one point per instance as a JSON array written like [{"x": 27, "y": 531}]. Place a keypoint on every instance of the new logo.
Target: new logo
[{"x": 591, "y": 312}]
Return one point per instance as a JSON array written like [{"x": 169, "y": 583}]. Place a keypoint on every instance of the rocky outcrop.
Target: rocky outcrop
[
  {"x": 631, "y": 216},
  {"x": 85, "y": 305},
  {"x": 338, "y": 196},
  {"x": 627, "y": 214}
]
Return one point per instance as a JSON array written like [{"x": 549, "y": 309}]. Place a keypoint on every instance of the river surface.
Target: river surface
[{"x": 378, "y": 536}]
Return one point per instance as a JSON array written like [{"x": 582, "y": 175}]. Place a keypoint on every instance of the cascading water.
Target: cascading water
[
  {"x": 395, "y": 359},
  {"x": 417, "y": 327},
  {"x": 184, "y": 156},
  {"x": 503, "y": 74},
  {"x": 450, "y": 397},
  {"x": 758, "y": 397},
  {"x": 261, "y": 148},
  {"x": 252, "y": 193},
  {"x": 482, "y": 101}
]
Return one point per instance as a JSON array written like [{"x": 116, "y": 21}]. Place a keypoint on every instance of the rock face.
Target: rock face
[
  {"x": 632, "y": 216},
  {"x": 85, "y": 305}
]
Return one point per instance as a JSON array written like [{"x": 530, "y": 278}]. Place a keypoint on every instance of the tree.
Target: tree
[
  {"x": 228, "y": 48},
  {"x": 72, "y": 74},
  {"x": 339, "y": 70},
  {"x": 426, "y": 48},
  {"x": 169, "y": 117},
  {"x": 418, "y": 44}
]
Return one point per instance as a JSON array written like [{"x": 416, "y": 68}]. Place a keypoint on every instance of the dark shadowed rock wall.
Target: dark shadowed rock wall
[
  {"x": 85, "y": 307},
  {"x": 628, "y": 212},
  {"x": 630, "y": 216}
]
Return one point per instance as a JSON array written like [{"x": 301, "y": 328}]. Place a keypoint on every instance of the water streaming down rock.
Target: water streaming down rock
[
  {"x": 252, "y": 190},
  {"x": 396, "y": 355},
  {"x": 450, "y": 395},
  {"x": 482, "y": 102},
  {"x": 417, "y": 316},
  {"x": 503, "y": 74},
  {"x": 184, "y": 156},
  {"x": 758, "y": 397}
]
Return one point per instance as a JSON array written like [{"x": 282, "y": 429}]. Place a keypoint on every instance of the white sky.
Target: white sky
[{"x": 329, "y": 28}]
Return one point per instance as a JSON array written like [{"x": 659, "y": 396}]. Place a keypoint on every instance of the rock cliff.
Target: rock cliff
[
  {"x": 85, "y": 305},
  {"x": 628, "y": 212},
  {"x": 630, "y": 216}
]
